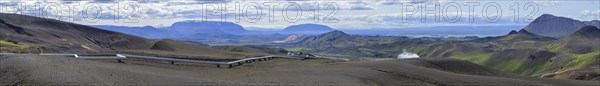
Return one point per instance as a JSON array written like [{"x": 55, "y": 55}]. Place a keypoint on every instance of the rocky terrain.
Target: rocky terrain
[
  {"x": 531, "y": 51},
  {"x": 29, "y": 34},
  {"x": 47, "y": 35},
  {"x": 42, "y": 70},
  {"x": 554, "y": 26},
  {"x": 526, "y": 57}
]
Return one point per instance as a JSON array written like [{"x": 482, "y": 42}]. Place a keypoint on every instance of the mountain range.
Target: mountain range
[
  {"x": 179, "y": 29},
  {"x": 145, "y": 31},
  {"x": 30, "y": 34},
  {"x": 216, "y": 32},
  {"x": 206, "y": 27},
  {"x": 340, "y": 43},
  {"x": 307, "y": 29},
  {"x": 569, "y": 49},
  {"x": 521, "y": 52},
  {"x": 554, "y": 26},
  {"x": 203, "y": 28},
  {"x": 584, "y": 40}
]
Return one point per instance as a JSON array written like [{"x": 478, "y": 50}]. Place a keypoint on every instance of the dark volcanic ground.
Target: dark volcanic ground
[{"x": 43, "y": 70}]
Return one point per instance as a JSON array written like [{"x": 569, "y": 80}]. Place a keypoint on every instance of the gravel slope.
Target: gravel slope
[
  {"x": 34, "y": 70},
  {"x": 43, "y": 70}
]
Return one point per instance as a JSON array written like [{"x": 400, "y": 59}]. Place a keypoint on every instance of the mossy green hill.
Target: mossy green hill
[{"x": 519, "y": 52}]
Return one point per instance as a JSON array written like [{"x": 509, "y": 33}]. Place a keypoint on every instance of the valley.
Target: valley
[
  {"x": 520, "y": 52},
  {"x": 549, "y": 51}
]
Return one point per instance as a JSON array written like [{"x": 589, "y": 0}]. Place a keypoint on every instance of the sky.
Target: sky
[{"x": 278, "y": 14}]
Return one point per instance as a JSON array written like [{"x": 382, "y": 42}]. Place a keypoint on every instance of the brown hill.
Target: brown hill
[
  {"x": 453, "y": 65},
  {"x": 253, "y": 50},
  {"x": 48, "y": 35},
  {"x": 29, "y": 34},
  {"x": 522, "y": 35},
  {"x": 291, "y": 39},
  {"x": 553, "y": 26},
  {"x": 590, "y": 32},
  {"x": 584, "y": 40},
  {"x": 180, "y": 49}
]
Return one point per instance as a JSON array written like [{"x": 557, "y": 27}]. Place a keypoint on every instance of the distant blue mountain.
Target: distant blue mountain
[
  {"x": 207, "y": 27},
  {"x": 556, "y": 26},
  {"x": 178, "y": 29},
  {"x": 146, "y": 31},
  {"x": 439, "y": 31},
  {"x": 592, "y": 23},
  {"x": 307, "y": 29}
]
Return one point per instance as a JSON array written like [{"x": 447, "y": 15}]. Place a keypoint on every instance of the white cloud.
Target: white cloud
[
  {"x": 589, "y": 15},
  {"x": 547, "y": 3},
  {"x": 353, "y": 13}
]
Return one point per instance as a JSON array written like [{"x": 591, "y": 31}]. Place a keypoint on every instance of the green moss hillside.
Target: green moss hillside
[{"x": 7, "y": 44}]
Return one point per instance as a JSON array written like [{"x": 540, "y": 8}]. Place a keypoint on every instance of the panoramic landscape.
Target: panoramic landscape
[{"x": 300, "y": 43}]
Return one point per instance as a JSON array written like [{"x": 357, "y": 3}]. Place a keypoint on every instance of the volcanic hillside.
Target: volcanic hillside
[
  {"x": 584, "y": 40},
  {"x": 185, "y": 50},
  {"x": 555, "y": 26},
  {"x": 36, "y": 34}
]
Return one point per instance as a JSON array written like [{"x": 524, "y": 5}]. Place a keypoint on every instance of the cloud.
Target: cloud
[
  {"x": 396, "y": 20},
  {"x": 428, "y": 1},
  {"x": 214, "y": 1},
  {"x": 149, "y": 1},
  {"x": 185, "y": 9},
  {"x": 547, "y": 3},
  {"x": 361, "y": 8},
  {"x": 390, "y": 2},
  {"x": 358, "y": 5},
  {"x": 419, "y": 1},
  {"x": 589, "y": 15},
  {"x": 104, "y": 1},
  {"x": 373, "y": 13}
]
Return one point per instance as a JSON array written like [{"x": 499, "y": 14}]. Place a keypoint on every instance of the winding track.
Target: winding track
[{"x": 231, "y": 64}]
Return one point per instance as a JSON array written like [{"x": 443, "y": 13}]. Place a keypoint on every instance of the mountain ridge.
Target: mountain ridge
[
  {"x": 582, "y": 41},
  {"x": 49, "y": 35},
  {"x": 308, "y": 28},
  {"x": 556, "y": 26},
  {"x": 181, "y": 28},
  {"x": 195, "y": 26}
]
